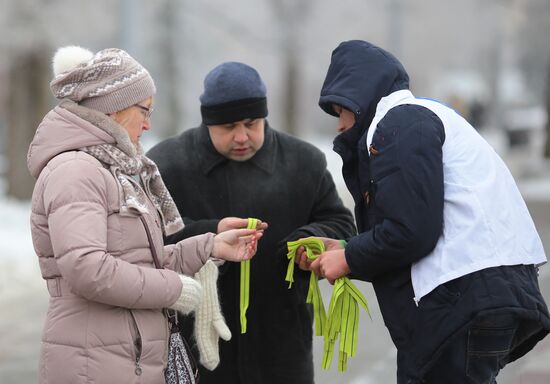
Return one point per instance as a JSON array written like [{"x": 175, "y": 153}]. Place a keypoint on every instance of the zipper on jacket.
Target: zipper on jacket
[{"x": 137, "y": 346}]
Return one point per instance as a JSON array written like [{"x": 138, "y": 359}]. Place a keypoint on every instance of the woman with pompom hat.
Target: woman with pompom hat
[{"x": 99, "y": 212}]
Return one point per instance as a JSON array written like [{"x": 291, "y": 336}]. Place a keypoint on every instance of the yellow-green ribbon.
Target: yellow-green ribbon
[
  {"x": 343, "y": 314},
  {"x": 343, "y": 321},
  {"x": 314, "y": 247},
  {"x": 245, "y": 281}
]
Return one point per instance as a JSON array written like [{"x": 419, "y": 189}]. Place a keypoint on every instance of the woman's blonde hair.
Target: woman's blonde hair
[{"x": 122, "y": 117}]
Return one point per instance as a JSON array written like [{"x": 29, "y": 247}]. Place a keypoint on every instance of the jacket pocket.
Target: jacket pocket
[
  {"x": 489, "y": 343},
  {"x": 137, "y": 343},
  {"x": 441, "y": 296},
  {"x": 377, "y": 177},
  {"x": 450, "y": 292}
]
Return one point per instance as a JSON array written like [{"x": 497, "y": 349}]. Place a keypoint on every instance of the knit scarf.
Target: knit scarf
[{"x": 133, "y": 198}]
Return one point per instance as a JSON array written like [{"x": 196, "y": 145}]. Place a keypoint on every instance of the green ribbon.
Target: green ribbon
[
  {"x": 245, "y": 282},
  {"x": 343, "y": 321},
  {"x": 343, "y": 314},
  {"x": 314, "y": 247}
]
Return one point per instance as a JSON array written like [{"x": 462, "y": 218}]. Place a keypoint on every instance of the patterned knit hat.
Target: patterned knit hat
[
  {"x": 232, "y": 92},
  {"x": 109, "y": 81}
]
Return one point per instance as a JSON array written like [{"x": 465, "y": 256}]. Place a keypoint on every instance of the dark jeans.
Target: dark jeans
[{"x": 477, "y": 354}]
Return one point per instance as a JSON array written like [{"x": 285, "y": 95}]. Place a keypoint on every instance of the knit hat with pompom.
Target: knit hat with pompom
[{"x": 109, "y": 81}]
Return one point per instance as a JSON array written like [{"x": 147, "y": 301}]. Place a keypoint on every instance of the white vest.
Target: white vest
[{"x": 485, "y": 220}]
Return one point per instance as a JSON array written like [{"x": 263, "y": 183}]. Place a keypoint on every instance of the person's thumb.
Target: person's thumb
[
  {"x": 243, "y": 232},
  {"x": 315, "y": 266},
  {"x": 210, "y": 359},
  {"x": 222, "y": 329}
]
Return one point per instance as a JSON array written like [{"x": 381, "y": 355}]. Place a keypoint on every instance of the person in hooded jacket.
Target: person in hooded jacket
[
  {"x": 444, "y": 234},
  {"x": 242, "y": 167},
  {"x": 99, "y": 211}
]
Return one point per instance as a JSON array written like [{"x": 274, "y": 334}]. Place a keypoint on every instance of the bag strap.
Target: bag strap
[
  {"x": 150, "y": 239},
  {"x": 171, "y": 315}
]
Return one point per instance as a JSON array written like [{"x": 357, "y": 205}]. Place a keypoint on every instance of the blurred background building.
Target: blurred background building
[{"x": 488, "y": 59}]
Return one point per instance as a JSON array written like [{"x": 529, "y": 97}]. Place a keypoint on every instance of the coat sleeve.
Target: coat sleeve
[
  {"x": 329, "y": 217},
  {"x": 189, "y": 255},
  {"x": 406, "y": 209},
  {"x": 193, "y": 228},
  {"x": 75, "y": 197}
]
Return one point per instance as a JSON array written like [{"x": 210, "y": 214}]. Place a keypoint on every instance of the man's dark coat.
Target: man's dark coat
[{"x": 287, "y": 185}]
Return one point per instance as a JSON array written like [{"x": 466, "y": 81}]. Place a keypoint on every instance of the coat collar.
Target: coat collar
[
  {"x": 383, "y": 106},
  {"x": 265, "y": 158}
]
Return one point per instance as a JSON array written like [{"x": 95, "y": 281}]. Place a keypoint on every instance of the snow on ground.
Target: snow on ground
[{"x": 17, "y": 256}]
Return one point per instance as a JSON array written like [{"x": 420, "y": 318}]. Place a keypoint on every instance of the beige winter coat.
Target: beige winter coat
[{"x": 105, "y": 314}]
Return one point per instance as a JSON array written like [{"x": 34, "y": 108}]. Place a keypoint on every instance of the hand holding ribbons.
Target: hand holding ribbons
[{"x": 343, "y": 315}]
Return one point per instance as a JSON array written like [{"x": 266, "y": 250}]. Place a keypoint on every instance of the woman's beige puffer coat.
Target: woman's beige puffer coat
[{"x": 105, "y": 322}]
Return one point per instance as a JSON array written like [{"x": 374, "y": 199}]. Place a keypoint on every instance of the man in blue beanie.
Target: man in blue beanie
[
  {"x": 444, "y": 234},
  {"x": 236, "y": 166}
]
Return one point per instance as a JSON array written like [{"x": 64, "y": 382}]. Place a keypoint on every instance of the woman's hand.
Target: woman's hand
[
  {"x": 236, "y": 244},
  {"x": 228, "y": 223}
]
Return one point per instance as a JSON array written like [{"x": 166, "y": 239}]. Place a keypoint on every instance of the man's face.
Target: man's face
[
  {"x": 346, "y": 119},
  {"x": 240, "y": 140}
]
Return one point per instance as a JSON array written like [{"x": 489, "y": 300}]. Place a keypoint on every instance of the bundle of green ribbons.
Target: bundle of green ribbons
[{"x": 343, "y": 314}]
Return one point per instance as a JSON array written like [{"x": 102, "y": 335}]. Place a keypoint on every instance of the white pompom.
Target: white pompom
[{"x": 67, "y": 58}]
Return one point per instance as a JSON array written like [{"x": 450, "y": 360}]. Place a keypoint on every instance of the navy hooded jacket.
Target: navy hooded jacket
[
  {"x": 405, "y": 176},
  {"x": 398, "y": 194}
]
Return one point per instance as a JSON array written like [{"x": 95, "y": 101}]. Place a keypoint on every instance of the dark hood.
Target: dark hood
[{"x": 359, "y": 75}]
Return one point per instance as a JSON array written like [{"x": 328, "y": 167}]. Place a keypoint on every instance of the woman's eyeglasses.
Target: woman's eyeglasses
[{"x": 147, "y": 112}]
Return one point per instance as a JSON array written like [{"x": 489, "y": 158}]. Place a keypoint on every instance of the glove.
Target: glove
[
  {"x": 209, "y": 322},
  {"x": 190, "y": 296}
]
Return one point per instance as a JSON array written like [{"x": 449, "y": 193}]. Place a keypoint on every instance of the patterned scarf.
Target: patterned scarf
[{"x": 132, "y": 195}]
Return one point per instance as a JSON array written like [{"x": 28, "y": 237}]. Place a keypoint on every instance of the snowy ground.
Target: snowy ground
[{"x": 17, "y": 257}]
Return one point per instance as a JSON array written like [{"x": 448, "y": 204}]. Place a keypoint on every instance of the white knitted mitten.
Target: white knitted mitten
[
  {"x": 191, "y": 295},
  {"x": 209, "y": 322}
]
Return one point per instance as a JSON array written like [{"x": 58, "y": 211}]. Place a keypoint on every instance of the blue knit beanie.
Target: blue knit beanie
[{"x": 232, "y": 92}]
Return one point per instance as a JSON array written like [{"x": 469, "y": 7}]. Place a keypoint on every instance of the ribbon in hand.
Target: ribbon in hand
[
  {"x": 314, "y": 247},
  {"x": 343, "y": 314},
  {"x": 343, "y": 321},
  {"x": 245, "y": 282}
]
